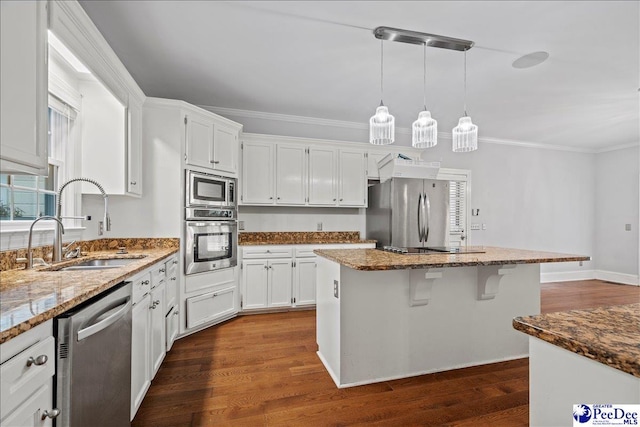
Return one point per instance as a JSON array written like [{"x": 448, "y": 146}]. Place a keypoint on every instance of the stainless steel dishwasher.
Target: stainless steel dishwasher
[{"x": 93, "y": 361}]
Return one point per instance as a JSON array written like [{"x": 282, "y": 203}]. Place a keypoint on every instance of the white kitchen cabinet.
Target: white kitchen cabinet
[
  {"x": 323, "y": 167},
  {"x": 291, "y": 174},
  {"x": 140, "y": 351},
  {"x": 23, "y": 87},
  {"x": 158, "y": 322},
  {"x": 352, "y": 178},
  {"x": 266, "y": 283},
  {"x": 208, "y": 298},
  {"x": 172, "y": 278},
  {"x": 26, "y": 378},
  {"x": 172, "y": 325},
  {"x": 134, "y": 148},
  {"x": 258, "y": 164},
  {"x": 304, "y": 284},
  {"x": 210, "y": 143}
]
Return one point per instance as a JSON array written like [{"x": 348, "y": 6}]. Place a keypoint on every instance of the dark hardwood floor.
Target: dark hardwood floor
[{"x": 263, "y": 370}]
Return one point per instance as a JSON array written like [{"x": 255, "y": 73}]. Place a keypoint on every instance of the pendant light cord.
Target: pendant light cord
[
  {"x": 465, "y": 82},
  {"x": 381, "y": 71},
  {"x": 424, "y": 74}
]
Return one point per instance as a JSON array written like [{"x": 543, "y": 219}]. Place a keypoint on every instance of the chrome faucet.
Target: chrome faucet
[
  {"x": 57, "y": 239},
  {"x": 59, "y": 227}
]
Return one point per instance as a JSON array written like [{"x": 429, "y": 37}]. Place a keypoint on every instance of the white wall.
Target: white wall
[{"x": 616, "y": 205}]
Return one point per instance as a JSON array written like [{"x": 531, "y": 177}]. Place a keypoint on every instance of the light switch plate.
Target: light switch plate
[
  {"x": 627, "y": 227},
  {"x": 319, "y": 226},
  {"x": 240, "y": 225},
  {"x": 335, "y": 288}
]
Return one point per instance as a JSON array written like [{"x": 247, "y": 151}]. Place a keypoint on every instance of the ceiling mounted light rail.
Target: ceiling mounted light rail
[{"x": 382, "y": 129}]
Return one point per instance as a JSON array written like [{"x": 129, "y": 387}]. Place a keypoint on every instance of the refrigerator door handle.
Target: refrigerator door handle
[
  {"x": 426, "y": 213},
  {"x": 420, "y": 218}
]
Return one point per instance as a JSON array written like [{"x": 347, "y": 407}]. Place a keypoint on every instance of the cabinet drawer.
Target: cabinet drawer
[
  {"x": 210, "y": 306},
  {"x": 266, "y": 252},
  {"x": 305, "y": 252},
  {"x": 19, "y": 381},
  {"x": 141, "y": 286},
  {"x": 200, "y": 281},
  {"x": 157, "y": 274}
]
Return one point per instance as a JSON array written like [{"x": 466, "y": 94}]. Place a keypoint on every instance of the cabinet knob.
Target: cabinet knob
[
  {"x": 266, "y": 267},
  {"x": 133, "y": 183},
  {"x": 175, "y": 313},
  {"x": 175, "y": 261},
  {"x": 156, "y": 302},
  {"x": 334, "y": 200},
  {"x": 51, "y": 414},
  {"x": 340, "y": 199},
  {"x": 215, "y": 162},
  {"x": 145, "y": 282},
  {"x": 278, "y": 198},
  {"x": 174, "y": 278},
  {"x": 162, "y": 269},
  {"x": 270, "y": 198},
  {"x": 152, "y": 306},
  {"x": 38, "y": 361}
]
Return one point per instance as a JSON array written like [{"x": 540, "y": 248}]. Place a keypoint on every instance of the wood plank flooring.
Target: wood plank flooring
[{"x": 263, "y": 370}]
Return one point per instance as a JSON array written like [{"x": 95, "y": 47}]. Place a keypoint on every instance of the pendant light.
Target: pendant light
[
  {"x": 425, "y": 129},
  {"x": 465, "y": 135},
  {"x": 381, "y": 124}
]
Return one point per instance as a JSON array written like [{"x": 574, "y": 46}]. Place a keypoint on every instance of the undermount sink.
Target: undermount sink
[{"x": 98, "y": 264}]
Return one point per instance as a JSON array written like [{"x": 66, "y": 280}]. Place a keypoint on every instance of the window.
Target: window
[{"x": 25, "y": 197}]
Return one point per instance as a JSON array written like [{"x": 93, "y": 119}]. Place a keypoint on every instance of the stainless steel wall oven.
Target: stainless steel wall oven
[{"x": 210, "y": 244}]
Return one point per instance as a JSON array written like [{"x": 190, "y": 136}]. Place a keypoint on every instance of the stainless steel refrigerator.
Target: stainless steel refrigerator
[{"x": 409, "y": 213}]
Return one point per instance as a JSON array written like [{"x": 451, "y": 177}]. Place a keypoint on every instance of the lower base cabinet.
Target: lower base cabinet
[
  {"x": 304, "y": 292},
  {"x": 32, "y": 411},
  {"x": 211, "y": 306},
  {"x": 140, "y": 356},
  {"x": 172, "y": 325},
  {"x": 158, "y": 333}
]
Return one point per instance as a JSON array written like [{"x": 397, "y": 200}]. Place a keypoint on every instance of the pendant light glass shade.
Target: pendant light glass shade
[
  {"x": 382, "y": 125},
  {"x": 425, "y": 131},
  {"x": 465, "y": 136}
]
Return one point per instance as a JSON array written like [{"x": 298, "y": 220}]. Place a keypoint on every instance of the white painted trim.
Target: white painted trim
[
  {"x": 417, "y": 374},
  {"x": 332, "y": 374},
  {"x": 567, "y": 276},
  {"x": 612, "y": 276},
  {"x": 152, "y": 102},
  {"x": 403, "y": 131}
]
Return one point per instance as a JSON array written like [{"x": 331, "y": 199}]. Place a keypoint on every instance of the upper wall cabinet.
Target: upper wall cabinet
[
  {"x": 303, "y": 174},
  {"x": 117, "y": 162},
  {"x": 23, "y": 87},
  {"x": 211, "y": 142}
]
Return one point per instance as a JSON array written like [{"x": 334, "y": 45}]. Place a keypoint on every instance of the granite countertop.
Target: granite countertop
[
  {"x": 299, "y": 238},
  {"x": 609, "y": 335},
  {"x": 375, "y": 259},
  {"x": 31, "y": 297}
]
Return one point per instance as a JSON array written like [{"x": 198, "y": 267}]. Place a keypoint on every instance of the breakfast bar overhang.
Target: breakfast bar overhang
[{"x": 383, "y": 316}]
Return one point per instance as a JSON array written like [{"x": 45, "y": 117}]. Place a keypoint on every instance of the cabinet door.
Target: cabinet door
[
  {"x": 23, "y": 84},
  {"x": 372, "y": 164},
  {"x": 322, "y": 176},
  {"x": 172, "y": 283},
  {"x": 257, "y": 173},
  {"x": 352, "y": 180},
  {"x": 225, "y": 149},
  {"x": 305, "y": 282},
  {"x": 280, "y": 282},
  {"x": 140, "y": 355},
  {"x": 30, "y": 412},
  {"x": 291, "y": 175},
  {"x": 199, "y": 140},
  {"x": 158, "y": 346},
  {"x": 172, "y": 325},
  {"x": 254, "y": 284},
  {"x": 134, "y": 148}
]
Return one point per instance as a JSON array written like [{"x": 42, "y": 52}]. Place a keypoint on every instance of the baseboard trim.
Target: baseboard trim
[
  {"x": 567, "y": 276},
  {"x": 612, "y": 276}
]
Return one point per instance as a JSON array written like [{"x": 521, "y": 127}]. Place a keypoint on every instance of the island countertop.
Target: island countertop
[
  {"x": 31, "y": 297},
  {"x": 375, "y": 259},
  {"x": 609, "y": 335}
]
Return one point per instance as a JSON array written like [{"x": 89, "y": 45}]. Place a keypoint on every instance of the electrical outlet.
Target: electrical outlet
[
  {"x": 335, "y": 288},
  {"x": 319, "y": 226},
  {"x": 484, "y": 226},
  {"x": 240, "y": 225},
  {"x": 475, "y": 226},
  {"x": 627, "y": 227},
  {"x": 100, "y": 228}
]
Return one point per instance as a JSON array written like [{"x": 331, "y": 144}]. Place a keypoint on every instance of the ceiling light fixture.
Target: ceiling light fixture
[
  {"x": 425, "y": 129},
  {"x": 382, "y": 124},
  {"x": 465, "y": 135},
  {"x": 530, "y": 60}
]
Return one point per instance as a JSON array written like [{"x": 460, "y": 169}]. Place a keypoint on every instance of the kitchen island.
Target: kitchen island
[
  {"x": 383, "y": 316},
  {"x": 581, "y": 357}
]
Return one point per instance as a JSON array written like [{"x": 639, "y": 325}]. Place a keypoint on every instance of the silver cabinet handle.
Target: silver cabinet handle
[
  {"x": 38, "y": 361},
  {"x": 145, "y": 282},
  {"x": 420, "y": 219},
  {"x": 175, "y": 313},
  {"x": 215, "y": 162},
  {"x": 278, "y": 198},
  {"x": 174, "y": 278},
  {"x": 175, "y": 261},
  {"x": 133, "y": 183},
  {"x": 51, "y": 414},
  {"x": 334, "y": 200},
  {"x": 266, "y": 267},
  {"x": 152, "y": 306},
  {"x": 426, "y": 205},
  {"x": 270, "y": 198},
  {"x": 161, "y": 270},
  {"x": 340, "y": 199},
  {"x": 156, "y": 302}
]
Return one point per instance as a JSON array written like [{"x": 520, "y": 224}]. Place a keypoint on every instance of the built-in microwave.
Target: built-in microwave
[{"x": 203, "y": 189}]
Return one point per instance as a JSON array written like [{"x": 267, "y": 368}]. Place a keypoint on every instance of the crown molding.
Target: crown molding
[
  {"x": 402, "y": 131},
  {"x": 617, "y": 147}
]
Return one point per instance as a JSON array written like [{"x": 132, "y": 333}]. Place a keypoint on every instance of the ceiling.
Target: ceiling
[{"x": 320, "y": 59}]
